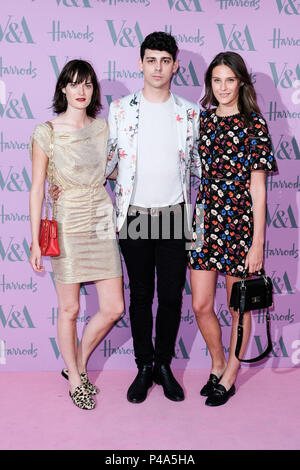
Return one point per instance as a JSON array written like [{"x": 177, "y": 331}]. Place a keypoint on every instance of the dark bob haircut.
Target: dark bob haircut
[
  {"x": 82, "y": 71},
  {"x": 159, "y": 41},
  {"x": 247, "y": 103}
]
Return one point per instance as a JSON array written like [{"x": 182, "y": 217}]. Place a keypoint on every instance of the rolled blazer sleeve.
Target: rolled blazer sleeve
[
  {"x": 112, "y": 144},
  {"x": 195, "y": 157}
]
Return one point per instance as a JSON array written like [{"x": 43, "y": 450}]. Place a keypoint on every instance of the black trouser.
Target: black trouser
[{"x": 143, "y": 256}]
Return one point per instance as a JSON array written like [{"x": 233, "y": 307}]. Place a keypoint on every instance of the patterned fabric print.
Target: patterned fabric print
[
  {"x": 81, "y": 398},
  {"x": 229, "y": 151}
]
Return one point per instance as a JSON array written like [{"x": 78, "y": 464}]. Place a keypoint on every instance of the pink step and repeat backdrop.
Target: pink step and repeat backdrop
[{"x": 37, "y": 37}]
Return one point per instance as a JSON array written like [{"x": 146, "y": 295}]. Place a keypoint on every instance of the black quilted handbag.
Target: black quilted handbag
[{"x": 252, "y": 294}]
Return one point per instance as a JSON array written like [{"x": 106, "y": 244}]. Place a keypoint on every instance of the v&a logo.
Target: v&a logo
[{"x": 15, "y": 32}]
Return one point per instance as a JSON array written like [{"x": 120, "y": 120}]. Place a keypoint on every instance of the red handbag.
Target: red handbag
[{"x": 48, "y": 240}]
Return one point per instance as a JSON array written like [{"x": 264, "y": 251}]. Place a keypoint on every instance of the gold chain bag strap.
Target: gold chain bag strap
[{"x": 49, "y": 231}]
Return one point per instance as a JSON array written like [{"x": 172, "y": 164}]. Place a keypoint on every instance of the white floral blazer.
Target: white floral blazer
[{"x": 123, "y": 123}]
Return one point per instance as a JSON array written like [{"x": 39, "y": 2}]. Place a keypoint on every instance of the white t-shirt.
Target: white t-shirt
[{"x": 157, "y": 178}]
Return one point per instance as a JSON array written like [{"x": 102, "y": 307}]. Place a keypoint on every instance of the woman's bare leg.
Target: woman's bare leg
[
  {"x": 203, "y": 285},
  {"x": 68, "y": 302},
  {"x": 233, "y": 363},
  {"x": 111, "y": 307}
]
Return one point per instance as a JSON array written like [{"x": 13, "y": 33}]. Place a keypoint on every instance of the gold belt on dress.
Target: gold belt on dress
[{"x": 86, "y": 188}]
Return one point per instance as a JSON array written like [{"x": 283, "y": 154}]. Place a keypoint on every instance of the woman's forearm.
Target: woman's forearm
[
  {"x": 258, "y": 194},
  {"x": 37, "y": 192},
  {"x": 35, "y": 205}
]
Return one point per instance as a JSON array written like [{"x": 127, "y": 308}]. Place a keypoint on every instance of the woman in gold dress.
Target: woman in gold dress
[{"x": 84, "y": 212}]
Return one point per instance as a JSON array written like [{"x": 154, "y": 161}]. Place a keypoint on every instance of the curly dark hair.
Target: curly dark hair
[
  {"x": 247, "y": 96},
  {"x": 159, "y": 41},
  {"x": 83, "y": 71}
]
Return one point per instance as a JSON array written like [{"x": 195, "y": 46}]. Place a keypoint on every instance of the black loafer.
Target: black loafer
[
  {"x": 138, "y": 390},
  {"x": 220, "y": 395},
  {"x": 162, "y": 375},
  {"x": 210, "y": 385}
]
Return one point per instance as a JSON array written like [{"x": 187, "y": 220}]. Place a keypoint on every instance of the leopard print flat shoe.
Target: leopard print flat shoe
[
  {"x": 82, "y": 398},
  {"x": 84, "y": 380},
  {"x": 90, "y": 387}
]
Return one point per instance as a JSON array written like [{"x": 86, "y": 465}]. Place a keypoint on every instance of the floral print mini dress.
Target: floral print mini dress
[{"x": 223, "y": 219}]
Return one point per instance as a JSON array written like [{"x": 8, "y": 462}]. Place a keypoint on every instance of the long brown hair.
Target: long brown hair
[
  {"x": 83, "y": 71},
  {"x": 247, "y": 103}
]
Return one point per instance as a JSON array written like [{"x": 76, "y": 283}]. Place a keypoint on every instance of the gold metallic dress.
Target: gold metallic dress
[{"x": 84, "y": 211}]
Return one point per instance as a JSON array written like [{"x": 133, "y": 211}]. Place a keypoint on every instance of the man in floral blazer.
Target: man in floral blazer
[{"x": 153, "y": 143}]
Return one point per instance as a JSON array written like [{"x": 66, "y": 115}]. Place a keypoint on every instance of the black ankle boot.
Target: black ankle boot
[
  {"x": 137, "y": 391},
  {"x": 162, "y": 375}
]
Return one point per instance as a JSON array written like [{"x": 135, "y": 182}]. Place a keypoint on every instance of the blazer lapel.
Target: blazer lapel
[
  {"x": 132, "y": 120},
  {"x": 132, "y": 125},
  {"x": 181, "y": 124}
]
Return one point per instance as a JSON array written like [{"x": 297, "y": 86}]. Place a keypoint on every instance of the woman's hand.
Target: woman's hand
[
  {"x": 114, "y": 174},
  {"x": 254, "y": 258},
  {"x": 55, "y": 192},
  {"x": 36, "y": 259}
]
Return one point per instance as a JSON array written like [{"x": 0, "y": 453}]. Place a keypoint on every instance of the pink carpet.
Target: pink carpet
[{"x": 37, "y": 414}]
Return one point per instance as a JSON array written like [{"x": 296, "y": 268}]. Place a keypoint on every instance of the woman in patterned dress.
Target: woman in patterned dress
[
  {"x": 84, "y": 212},
  {"x": 229, "y": 216}
]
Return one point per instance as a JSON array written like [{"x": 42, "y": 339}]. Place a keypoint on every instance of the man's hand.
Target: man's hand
[{"x": 55, "y": 192}]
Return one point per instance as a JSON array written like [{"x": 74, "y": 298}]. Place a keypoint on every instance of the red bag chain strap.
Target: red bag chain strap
[
  {"x": 48, "y": 232},
  {"x": 50, "y": 171}
]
